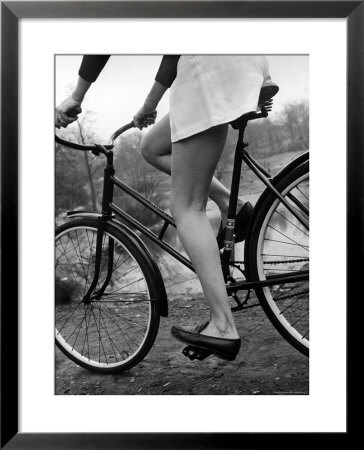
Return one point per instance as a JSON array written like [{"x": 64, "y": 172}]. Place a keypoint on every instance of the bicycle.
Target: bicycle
[{"x": 110, "y": 292}]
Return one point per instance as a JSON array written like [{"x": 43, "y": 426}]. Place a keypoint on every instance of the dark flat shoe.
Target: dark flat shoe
[
  {"x": 197, "y": 352},
  {"x": 241, "y": 225},
  {"x": 221, "y": 347}
]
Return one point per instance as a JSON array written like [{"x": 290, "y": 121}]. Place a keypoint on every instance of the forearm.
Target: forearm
[
  {"x": 80, "y": 90},
  {"x": 155, "y": 95},
  {"x": 166, "y": 74},
  {"x": 90, "y": 69}
]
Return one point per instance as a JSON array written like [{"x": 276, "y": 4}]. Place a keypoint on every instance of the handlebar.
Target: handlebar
[{"x": 96, "y": 148}]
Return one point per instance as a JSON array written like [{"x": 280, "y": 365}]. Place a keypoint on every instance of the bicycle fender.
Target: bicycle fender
[
  {"x": 81, "y": 214},
  {"x": 302, "y": 159},
  {"x": 292, "y": 165},
  {"x": 160, "y": 293},
  {"x": 161, "y": 290}
]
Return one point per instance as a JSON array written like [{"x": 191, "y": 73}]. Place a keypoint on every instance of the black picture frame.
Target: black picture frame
[{"x": 11, "y": 12}]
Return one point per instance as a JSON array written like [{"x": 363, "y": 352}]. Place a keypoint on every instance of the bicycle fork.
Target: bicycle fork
[{"x": 106, "y": 215}]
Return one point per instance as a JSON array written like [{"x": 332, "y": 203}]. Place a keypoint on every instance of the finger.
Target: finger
[
  {"x": 62, "y": 121},
  {"x": 74, "y": 112},
  {"x": 58, "y": 122},
  {"x": 67, "y": 120}
]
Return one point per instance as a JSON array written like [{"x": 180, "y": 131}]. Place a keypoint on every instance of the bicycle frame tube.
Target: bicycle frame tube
[
  {"x": 260, "y": 172},
  {"x": 109, "y": 208},
  {"x": 234, "y": 192},
  {"x": 265, "y": 176},
  {"x": 168, "y": 220},
  {"x": 300, "y": 159},
  {"x": 271, "y": 280}
]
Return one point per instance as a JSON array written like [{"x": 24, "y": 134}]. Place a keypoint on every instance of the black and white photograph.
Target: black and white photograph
[
  {"x": 159, "y": 163},
  {"x": 182, "y": 224}
]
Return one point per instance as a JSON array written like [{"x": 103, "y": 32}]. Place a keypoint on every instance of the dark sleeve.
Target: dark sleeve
[
  {"x": 91, "y": 66},
  {"x": 167, "y": 71}
]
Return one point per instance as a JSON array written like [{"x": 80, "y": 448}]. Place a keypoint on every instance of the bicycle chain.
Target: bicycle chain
[
  {"x": 298, "y": 294},
  {"x": 278, "y": 262},
  {"x": 285, "y": 297}
]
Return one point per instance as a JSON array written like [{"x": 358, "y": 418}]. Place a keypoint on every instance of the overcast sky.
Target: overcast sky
[{"x": 123, "y": 84}]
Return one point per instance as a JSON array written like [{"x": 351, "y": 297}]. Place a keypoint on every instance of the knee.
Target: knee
[
  {"x": 147, "y": 149},
  {"x": 181, "y": 209}
]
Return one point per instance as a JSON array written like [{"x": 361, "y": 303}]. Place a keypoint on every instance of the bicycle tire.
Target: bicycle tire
[
  {"x": 274, "y": 234},
  {"x": 113, "y": 333}
]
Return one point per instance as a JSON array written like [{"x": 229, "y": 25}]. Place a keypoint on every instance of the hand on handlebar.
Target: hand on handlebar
[
  {"x": 144, "y": 117},
  {"x": 67, "y": 112}
]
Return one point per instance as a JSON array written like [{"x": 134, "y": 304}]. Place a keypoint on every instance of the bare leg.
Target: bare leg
[
  {"x": 193, "y": 164},
  {"x": 156, "y": 148}
]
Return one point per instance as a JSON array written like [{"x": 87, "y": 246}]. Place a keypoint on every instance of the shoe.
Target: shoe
[
  {"x": 195, "y": 352},
  {"x": 241, "y": 225},
  {"x": 223, "y": 348}
]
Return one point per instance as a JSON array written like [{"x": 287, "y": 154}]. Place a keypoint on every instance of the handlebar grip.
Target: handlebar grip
[
  {"x": 152, "y": 115},
  {"x": 74, "y": 112}
]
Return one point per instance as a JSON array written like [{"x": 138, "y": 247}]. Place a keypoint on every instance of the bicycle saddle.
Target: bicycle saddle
[{"x": 267, "y": 92}]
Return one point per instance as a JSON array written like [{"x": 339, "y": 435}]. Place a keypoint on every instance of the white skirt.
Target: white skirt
[{"x": 211, "y": 90}]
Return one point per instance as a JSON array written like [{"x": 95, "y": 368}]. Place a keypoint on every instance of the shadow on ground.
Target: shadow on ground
[{"x": 266, "y": 364}]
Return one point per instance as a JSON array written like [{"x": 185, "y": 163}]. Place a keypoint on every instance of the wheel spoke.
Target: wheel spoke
[
  {"x": 294, "y": 323},
  {"x": 279, "y": 240},
  {"x": 122, "y": 332},
  {"x": 69, "y": 317},
  {"x": 289, "y": 221},
  {"x": 293, "y": 242},
  {"x": 109, "y": 332}
]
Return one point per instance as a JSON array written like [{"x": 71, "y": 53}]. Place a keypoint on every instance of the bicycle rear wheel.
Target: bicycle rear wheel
[
  {"x": 114, "y": 330},
  {"x": 279, "y": 246}
]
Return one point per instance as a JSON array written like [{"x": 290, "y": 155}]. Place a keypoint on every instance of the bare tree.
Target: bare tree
[
  {"x": 77, "y": 171},
  {"x": 296, "y": 121},
  {"x": 136, "y": 172},
  {"x": 84, "y": 137}
]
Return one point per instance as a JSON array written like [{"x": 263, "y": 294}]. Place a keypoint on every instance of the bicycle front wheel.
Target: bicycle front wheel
[
  {"x": 115, "y": 328},
  {"x": 277, "y": 251}
]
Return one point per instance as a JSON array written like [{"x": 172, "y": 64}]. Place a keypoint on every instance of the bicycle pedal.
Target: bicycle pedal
[{"x": 196, "y": 353}]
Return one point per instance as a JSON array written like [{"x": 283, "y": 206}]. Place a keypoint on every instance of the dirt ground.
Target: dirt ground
[{"x": 266, "y": 364}]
